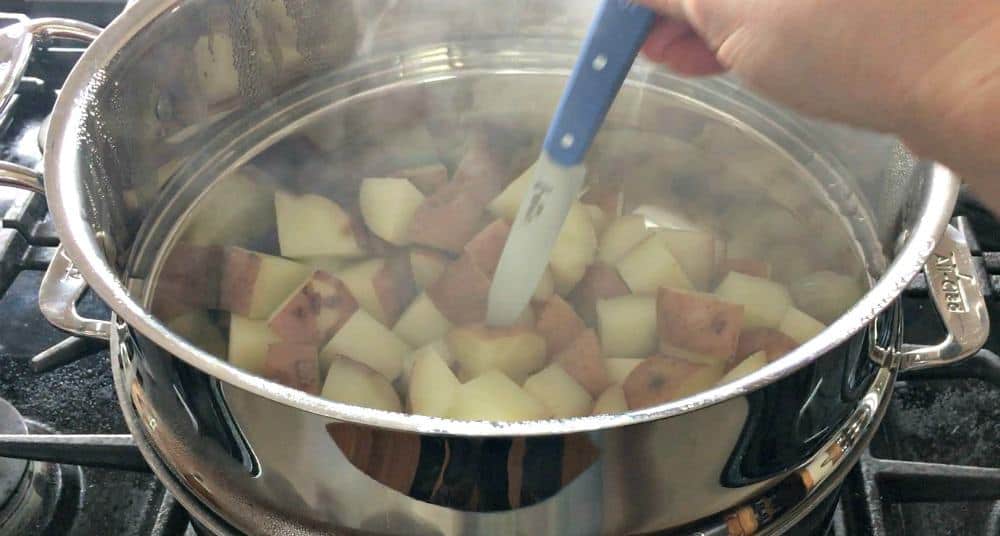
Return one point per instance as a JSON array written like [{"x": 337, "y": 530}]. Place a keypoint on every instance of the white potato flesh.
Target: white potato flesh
[
  {"x": 495, "y": 397},
  {"x": 752, "y": 363},
  {"x": 611, "y": 401},
  {"x": 621, "y": 235},
  {"x": 421, "y": 322},
  {"x": 620, "y": 367},
  {"x": 248, "y": 342},
  {"x": 555, "y": 388},
  {"x": 388, "y": 205},
  {"x": 432, "y": 387},
  {"x": 650, "y": 265},
  {"x": 627, "y": 326},
  {"x": 365, "y": 340},
  {"x": 310, "y": 225},
  {"x": 800, "y": 326},
  {"x": 350, "y": 382},
  {"x": 764, "y": 302},
  {"x": 574, "y": 249},
  {"x": 508, "y": 202}
]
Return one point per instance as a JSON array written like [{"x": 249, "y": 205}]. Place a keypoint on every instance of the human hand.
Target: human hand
[{"x": 926, "y": 70}]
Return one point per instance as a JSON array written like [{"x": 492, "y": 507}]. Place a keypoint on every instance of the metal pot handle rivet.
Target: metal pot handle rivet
[{"x": 954, "y": 286}]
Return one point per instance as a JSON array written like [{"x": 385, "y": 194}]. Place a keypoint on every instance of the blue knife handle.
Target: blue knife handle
[{"x": 612, "y": 43}]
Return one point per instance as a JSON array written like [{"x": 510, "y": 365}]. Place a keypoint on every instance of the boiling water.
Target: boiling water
[{"x": 665, "y": 157}]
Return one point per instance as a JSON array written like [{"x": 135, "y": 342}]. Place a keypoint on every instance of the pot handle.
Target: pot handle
[
  {"x": 953, "y": 283},
  {"x": 61, "y": 288},
  {"x": 62, "y": 285}
]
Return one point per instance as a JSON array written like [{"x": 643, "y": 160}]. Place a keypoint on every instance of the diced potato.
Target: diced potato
[
  {"x": 311, "y": 225},
  {"x": 388, "y": 205},
  {"x": 314, "y": 311},
  {"x": 328, "y": 264},
  {"x": 650, "y": 265},
  {"x": 621, "y": 235},
  {"x": 800, "y": 326},
  {"x": 627, "y": 326},
  {"x": 658, "y": 380},
  {"x": 382, "y": 287},
  {"x": 770, "y": 341},
  {"x": 620, "y": 367},
  {"x": 461, "y": 293},
  {"x": 658, "y": 216},
  {"x": 450, "y": 217},
  {"x": 255, "y": 284},
  {"x": 427, "y": 266},
  {"x": 350, "y": 382},
  {"x": 235, "y": 212},
  {"x": 611, "y": 401},
  {"x": 559, "y": 392},
  {"x": 494, "y": 397},
  {"x": 516, "y": 351},
  {"x": 508, "y": 202},
  {"x": 294, "y": 365},
  {"x": 597, "y": 218},
  {"x": 558, "y": 323},
  {"x": 198, "y": 328},
  {"x": 752, "y": 363},
  {"x": 600, "y": 282},
  {"x": 365, "y": 340},
  {"x": 825, "y": 295},
  {"x": 432, "y": 387},
  {"x": 438, "y": 348},
  {"x": 574, "y": 249},
  {"x": 190, "y": 278},
  {"x": 764, "y": 302},
  {"x": 248, "y": 342},
  {"x": 486, "y": 247},
  {"x": 694, "y": 251},
  {"x": 698, "y": 324},
  {"x": 421, "y": 323},
  {"x": 214, "y": 67},
  {"x": 582, "y": 360}
]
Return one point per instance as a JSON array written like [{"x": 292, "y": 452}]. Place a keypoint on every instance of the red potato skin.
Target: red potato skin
[
  {"x": 582, "y": 360},
  {"x": 771, "y": 341},
  {"x": 394, "y": 286},
  {"x": 752, "y": 267},
  {"x": 600, "y": 282},
  {"x": 427, "y": 178},
  {"x": 191, "y": 276},
  {"x": 297, "y": 321},
  {"x": 452, "y": 216},
  {"x": 486, "y": 247},
  {"x": 294, "y": 365},
  {"x": 698, "y": 322},
  {"x": 446, "y": 220},
  {"x": 461, "y": 292},
  {"x": 558, "y": 323},
  {"x": 659, "y": 379}
]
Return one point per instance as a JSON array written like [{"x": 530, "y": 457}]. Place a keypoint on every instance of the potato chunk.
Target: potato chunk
[
  {"x": 752, "y": 363},
  {"x": 314, "y": 311},
  {"x": 600, "y": 282},
  {"x": 582, "y": 360},
  {"x": 255, "y": 284},
  {"x": 248, "y": 342},
  {"x": 611, "y": 401},
  {"x": 310, "y": 225},
  {"x": 294, "y": 365},
  {"x": 661, "y": 379},
  {"x": 558, "y": 323},
  {"x": 650, "y": 265},
  {"x": 350, "y": 382},
  {"x": 365, "y": 340},
  {"x": 555, "y": 388},
  {"x": 433, "y": 386},
  {"x": 461, "y": 293},
  {"x": 764, "y": 302},
  {"x": 388, "y": 206},
  {"x": 705, "y": 328},
  {"x": 494, "y": 397},
  {"x": 770, "y": 341},
  {"x": 516, "y": 351},
  {"x": 422, "y": 322},
  {"x": 627, "y": 326}
]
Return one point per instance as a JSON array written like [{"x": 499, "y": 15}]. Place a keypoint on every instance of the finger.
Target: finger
[
  {"x": 671, "y": 8},
  {"x": 675, "y": 44}
]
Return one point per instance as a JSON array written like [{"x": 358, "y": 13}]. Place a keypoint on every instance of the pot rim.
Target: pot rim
[{"x": 66, "y": 202}]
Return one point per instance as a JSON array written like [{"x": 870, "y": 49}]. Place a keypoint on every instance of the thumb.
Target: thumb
[{"x": 712, "y": 20}]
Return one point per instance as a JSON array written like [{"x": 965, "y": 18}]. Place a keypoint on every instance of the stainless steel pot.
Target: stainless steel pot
[{"x": 137, "y": 136}]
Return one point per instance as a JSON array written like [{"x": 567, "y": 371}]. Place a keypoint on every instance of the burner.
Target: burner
[
  {"x": 11, "y": 471},
  {"x": 33, "y": 494}
]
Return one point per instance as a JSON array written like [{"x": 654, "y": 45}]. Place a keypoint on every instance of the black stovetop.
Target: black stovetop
[{"x": 932, "y": 470}]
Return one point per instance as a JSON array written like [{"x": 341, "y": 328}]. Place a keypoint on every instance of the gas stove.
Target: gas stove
[{"x": 932, "y": 469}]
